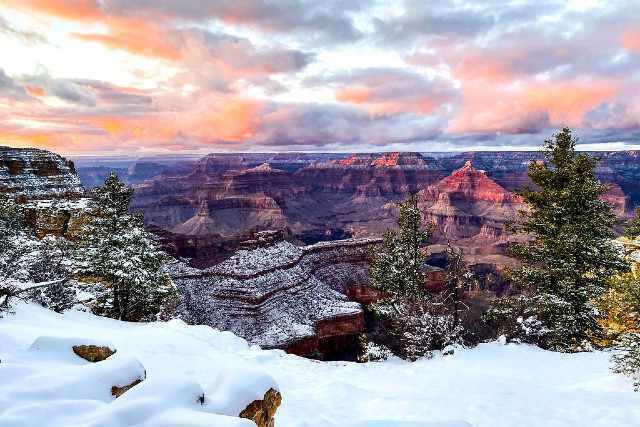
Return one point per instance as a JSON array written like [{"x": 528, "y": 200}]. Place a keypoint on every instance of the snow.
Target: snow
[{"x": 45, "y": 384}]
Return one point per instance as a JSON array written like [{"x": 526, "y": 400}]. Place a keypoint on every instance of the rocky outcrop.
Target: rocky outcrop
[
  {"x": 57, "y": 217},
  {"x": 262, "y": 412},
  {"x": 93, "y": 353},
  {"x": 29, "y": 173},
  {"x": 117, "y": 391},
  {"x": 281, "y": 296},
  {"x": 48, "y": 188},
  {"x": 470, "y": 209}
]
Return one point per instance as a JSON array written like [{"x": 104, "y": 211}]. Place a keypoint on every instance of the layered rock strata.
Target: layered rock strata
[
  {"x": 29, "y": 173},
  {"x": 470, "y": 209},
  {"x": 281, "y": 296}
]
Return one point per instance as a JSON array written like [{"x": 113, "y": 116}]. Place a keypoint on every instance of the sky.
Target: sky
[{"x": 172, "y": 76}]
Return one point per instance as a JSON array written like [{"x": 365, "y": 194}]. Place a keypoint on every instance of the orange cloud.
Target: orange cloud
[
  {"x": 77, "y": 10},
  {"x": 141, "y": 41},
  {"x": 367, "y": 98},
  {"x": 235, "y": 120},
  {"x": 35, "y": 90},
  {"x": 528, "y": 106},
  {"x": 133, "y": 35},
  {"x": 356, "y": 95}
]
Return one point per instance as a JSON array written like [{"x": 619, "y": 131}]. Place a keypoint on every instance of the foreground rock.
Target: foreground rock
[
  {"x": 282, "y": 296},
  {"x": 93, "y": 353},
  {"x": 262, "y": 412}
]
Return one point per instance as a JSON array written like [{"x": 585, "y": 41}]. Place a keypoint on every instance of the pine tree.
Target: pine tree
[
  {"x": 633, "y": 230},
  {"x": 31, "y": 269},
  {"x": 458, "y": 279},
  {"x": 621, "y": 305},
  {"x": 397, "y": 268},
  {"x": 414, "y": 324},
  {"x": 568, "y": 262},
  {"x": 118, "y": 250}
]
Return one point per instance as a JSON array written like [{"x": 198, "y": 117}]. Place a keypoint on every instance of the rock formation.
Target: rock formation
[
  {"x": 262, "y": 412},
  {"x": 282, "y": 296},
  {"x": 48, "y": 187},
  {"x": 469, "y": 208},
  {"x": 93, "y": 353},
  {"x": 29, "y": 173}
]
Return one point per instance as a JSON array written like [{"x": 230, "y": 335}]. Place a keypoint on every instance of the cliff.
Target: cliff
[
  {"x": 29, "y": 173},
  {"x": 48, "y": 187},
  {"x": 470, "y": 209},
  {"x": 281, "y": 296}
]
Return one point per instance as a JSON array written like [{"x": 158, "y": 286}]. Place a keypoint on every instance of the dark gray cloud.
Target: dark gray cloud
[
  {"x": 10, "y": 89},
  {"x": 316, "y": 21},
  {"x": 454, "y": 19},
  {"x": 241, "y": 54},
  {"x": 313, "y": 125},
  {"x": 64, "y": 89}
]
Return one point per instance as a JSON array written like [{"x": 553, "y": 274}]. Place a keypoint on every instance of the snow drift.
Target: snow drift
[{"x": 43, "y": 383}]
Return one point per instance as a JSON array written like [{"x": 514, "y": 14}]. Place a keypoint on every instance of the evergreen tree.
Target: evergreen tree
[
  {"x": 633, "y": 230},
  {"x": 31, "y": 269},
  {"x": 568, "y": 262},
  {"x": 118, "y": 250},
  {"x": 458, "y": 279},
  {"x": 413, "y": 324},
  {"x": 397, "y": 268}
]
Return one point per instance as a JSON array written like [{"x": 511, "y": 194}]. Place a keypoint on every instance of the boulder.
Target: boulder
[
  {"x": 262, "y": 412},
  {"x": 117, "y": 391},
  {"x": 93, "y": 353}
]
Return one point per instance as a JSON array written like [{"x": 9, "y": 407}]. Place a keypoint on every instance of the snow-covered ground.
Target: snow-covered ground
[{"x": 42, "y": 383}]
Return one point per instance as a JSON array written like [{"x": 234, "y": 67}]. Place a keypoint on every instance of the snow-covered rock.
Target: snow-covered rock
[
  {"x": 280, "y": 296},
  {"x": 37, "y": 174},
  {"x": 157, "y": 368}
]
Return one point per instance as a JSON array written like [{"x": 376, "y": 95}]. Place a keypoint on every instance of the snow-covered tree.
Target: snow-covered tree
[
  {"x": 458, "y": 280},
  {"x": 30, "y": 268},
  {"x": 413, "y": 322},
  {"x": 397, "y": 267},
  {"x": 568, "y": 262},
  {"x": 118, "y": 250},
  {"x": 627, "y": 359}
]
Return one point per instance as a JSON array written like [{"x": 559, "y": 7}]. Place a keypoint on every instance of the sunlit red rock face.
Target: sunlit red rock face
[
  {"x": 315, "y": 197},
  {"x": 322, "y": 201},
  {"x": 470, "y": 209}
]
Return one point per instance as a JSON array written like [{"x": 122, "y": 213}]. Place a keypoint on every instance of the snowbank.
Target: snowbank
[{"x": 44, "y": 384}]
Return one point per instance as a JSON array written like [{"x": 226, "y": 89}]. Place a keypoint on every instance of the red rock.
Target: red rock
[{"x": 469, "y": 208}]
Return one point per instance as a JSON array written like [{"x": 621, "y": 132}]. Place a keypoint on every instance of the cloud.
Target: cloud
[
  {"x": 29, "y": 37},
  {"x": 326, "y": 21},
  {"x": 303, "y": 74},
  {"x": 389, "y": 90},
  {"x": 10, "y": 89}
]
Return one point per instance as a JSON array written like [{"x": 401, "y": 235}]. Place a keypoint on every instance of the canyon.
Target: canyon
[
  {"x": 223, "y": 198},
  {"x": 276, "y": 248}
]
